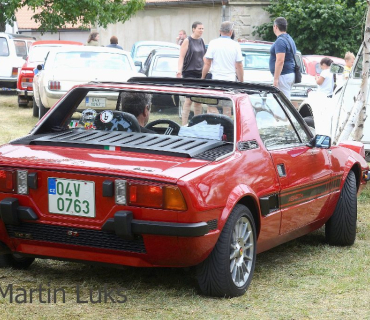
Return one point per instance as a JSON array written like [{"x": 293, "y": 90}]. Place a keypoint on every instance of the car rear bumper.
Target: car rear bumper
[
  {"x": 8, "y": 83},
  {"x": 26, "y": 93},
  {"x": 122, "y": 239}
]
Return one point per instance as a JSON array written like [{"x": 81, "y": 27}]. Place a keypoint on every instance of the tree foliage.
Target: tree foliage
[
  {"x": 55, "y": 14},
  {"x": 325, "y": 27}
]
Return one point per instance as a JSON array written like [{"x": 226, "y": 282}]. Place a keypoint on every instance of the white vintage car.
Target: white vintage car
[
  {"x": 325, "y": 114},
  {"x": 13, "y": 52},
  {"x": 70, "y": 66}
]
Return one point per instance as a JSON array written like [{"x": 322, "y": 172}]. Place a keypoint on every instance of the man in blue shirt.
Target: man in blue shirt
[
  {"x": 114, "y": 43},
  {"x": 282, "y": 57}
]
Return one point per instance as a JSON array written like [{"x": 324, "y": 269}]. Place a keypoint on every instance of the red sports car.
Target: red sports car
[
  {"x": 312, "y": 63},
  {"x": 37, "y": 54},
  {"x": 101, "y": 178}
]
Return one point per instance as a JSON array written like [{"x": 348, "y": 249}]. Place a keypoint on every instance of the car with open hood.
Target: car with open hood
[
  {"x": 105, "y": 186},
  {"x": 328, "y": 114}
]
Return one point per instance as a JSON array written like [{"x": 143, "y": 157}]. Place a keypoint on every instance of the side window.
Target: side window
[
  {"x": 302, "y": 133},
  {"x": 357, "y": 73},
  {"x": 4, "y": 49},
  {"x": 274, "y": 126}
]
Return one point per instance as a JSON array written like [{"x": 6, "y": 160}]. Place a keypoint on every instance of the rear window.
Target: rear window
[
  {"x": 4, "y": 50},
  {"x": 20, "y": 48},
  {"x": 96, "y": 60},
  {"x": 256, "y": 60}
]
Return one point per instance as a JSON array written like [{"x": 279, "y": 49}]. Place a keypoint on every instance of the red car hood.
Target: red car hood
[{"x": 129, "y": 164}]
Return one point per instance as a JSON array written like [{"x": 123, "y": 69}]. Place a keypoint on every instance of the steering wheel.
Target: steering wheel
[
  {"x": 173, "y": 128},
  {"x": 213, "y": 118}
]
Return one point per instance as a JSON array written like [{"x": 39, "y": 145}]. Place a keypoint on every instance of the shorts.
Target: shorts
[
  {"x": 285, "y": 84},
  {"x": 192, "y": 74}
]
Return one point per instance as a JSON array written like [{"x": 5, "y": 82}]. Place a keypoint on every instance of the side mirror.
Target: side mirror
[
  {"x": 138, "y": 64},
  {"x": 320, "y": 141},
  {"x": 336, "y": 68}
]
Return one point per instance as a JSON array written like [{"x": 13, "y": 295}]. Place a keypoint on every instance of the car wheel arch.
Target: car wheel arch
[
  {"x": 244, "y": 196},
  {"x": 356, "y": 168}
]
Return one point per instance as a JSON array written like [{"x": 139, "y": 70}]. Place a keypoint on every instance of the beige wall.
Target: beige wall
[
  {"x": 162, "y": 24},
  {"x": 246, "y": 16}
]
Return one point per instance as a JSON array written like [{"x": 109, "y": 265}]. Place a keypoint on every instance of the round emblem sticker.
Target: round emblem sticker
[
  {"x": 88, "y": 114},
  {"x": 106, "y": 116}
]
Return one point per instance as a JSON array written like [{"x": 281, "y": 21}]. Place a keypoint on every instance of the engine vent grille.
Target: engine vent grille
[
  {"x": 212, "y": 224},
  {"x": 247, "y": 145},
  {"x": 215, "y": 153},
  {"x": 74, "y": 236},
  {"x": 127, "y": 141}
]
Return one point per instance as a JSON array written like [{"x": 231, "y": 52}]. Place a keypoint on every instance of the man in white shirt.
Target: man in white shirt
[{"x": 224, "y": 56}]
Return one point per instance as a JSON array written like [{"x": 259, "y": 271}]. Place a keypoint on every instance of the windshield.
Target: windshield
[
  {"x": 38, "y": 54},
  {"x": 166, "y": 64},
  {"x": 143, "y": 51},
  {"x": 97, "y": 60}
]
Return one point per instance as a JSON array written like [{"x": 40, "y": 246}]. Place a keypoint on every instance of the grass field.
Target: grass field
[{"x": 302, "y": 279}]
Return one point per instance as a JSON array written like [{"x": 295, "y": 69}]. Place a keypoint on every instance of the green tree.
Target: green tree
[
  {"x": 55, "y": 14},
  {"x": 327, "y": 27}
]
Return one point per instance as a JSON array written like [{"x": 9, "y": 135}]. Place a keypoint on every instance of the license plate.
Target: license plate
[
  {"x": 71, "y": 197},
  {"x": 95, "y": 102}
]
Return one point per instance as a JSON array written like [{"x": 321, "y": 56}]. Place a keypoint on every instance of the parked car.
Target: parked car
[
  {"x": 66, "y": 67},
  {"x": 13, "y": 51},
  {"x": 312, "y": 63},
  {"x": 161, "y": 63},
  {"x": 93, "y": 187},
  {"x": 256, "y": 69},
  {"x": 141, "y": 49},
  {"x": 37, "y": 54},
  {"x": 326, "y": 112}
]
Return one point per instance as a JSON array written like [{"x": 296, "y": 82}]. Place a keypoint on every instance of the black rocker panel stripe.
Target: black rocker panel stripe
[
  {"x": 308, "y": 192},
  {"x": 302, "y": 194}
]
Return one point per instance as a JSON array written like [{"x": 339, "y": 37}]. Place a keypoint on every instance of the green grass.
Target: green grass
[{"x": 302, "y": 279}]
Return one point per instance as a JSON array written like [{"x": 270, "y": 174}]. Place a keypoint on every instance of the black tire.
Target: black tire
[
  {"x": 367, "y": 156},
  {"x": 340, "y": 229},
  {"x": 42, "y": 110},
  {"x": 15, "y": 261},
  {"x": 35, "y": 108},
  {"x": 228, "y": 261}
]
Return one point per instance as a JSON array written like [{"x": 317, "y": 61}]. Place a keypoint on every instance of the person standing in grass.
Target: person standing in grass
[
  {"x": 282, "y": 57},
  {"x": 190, "y": 65}
]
